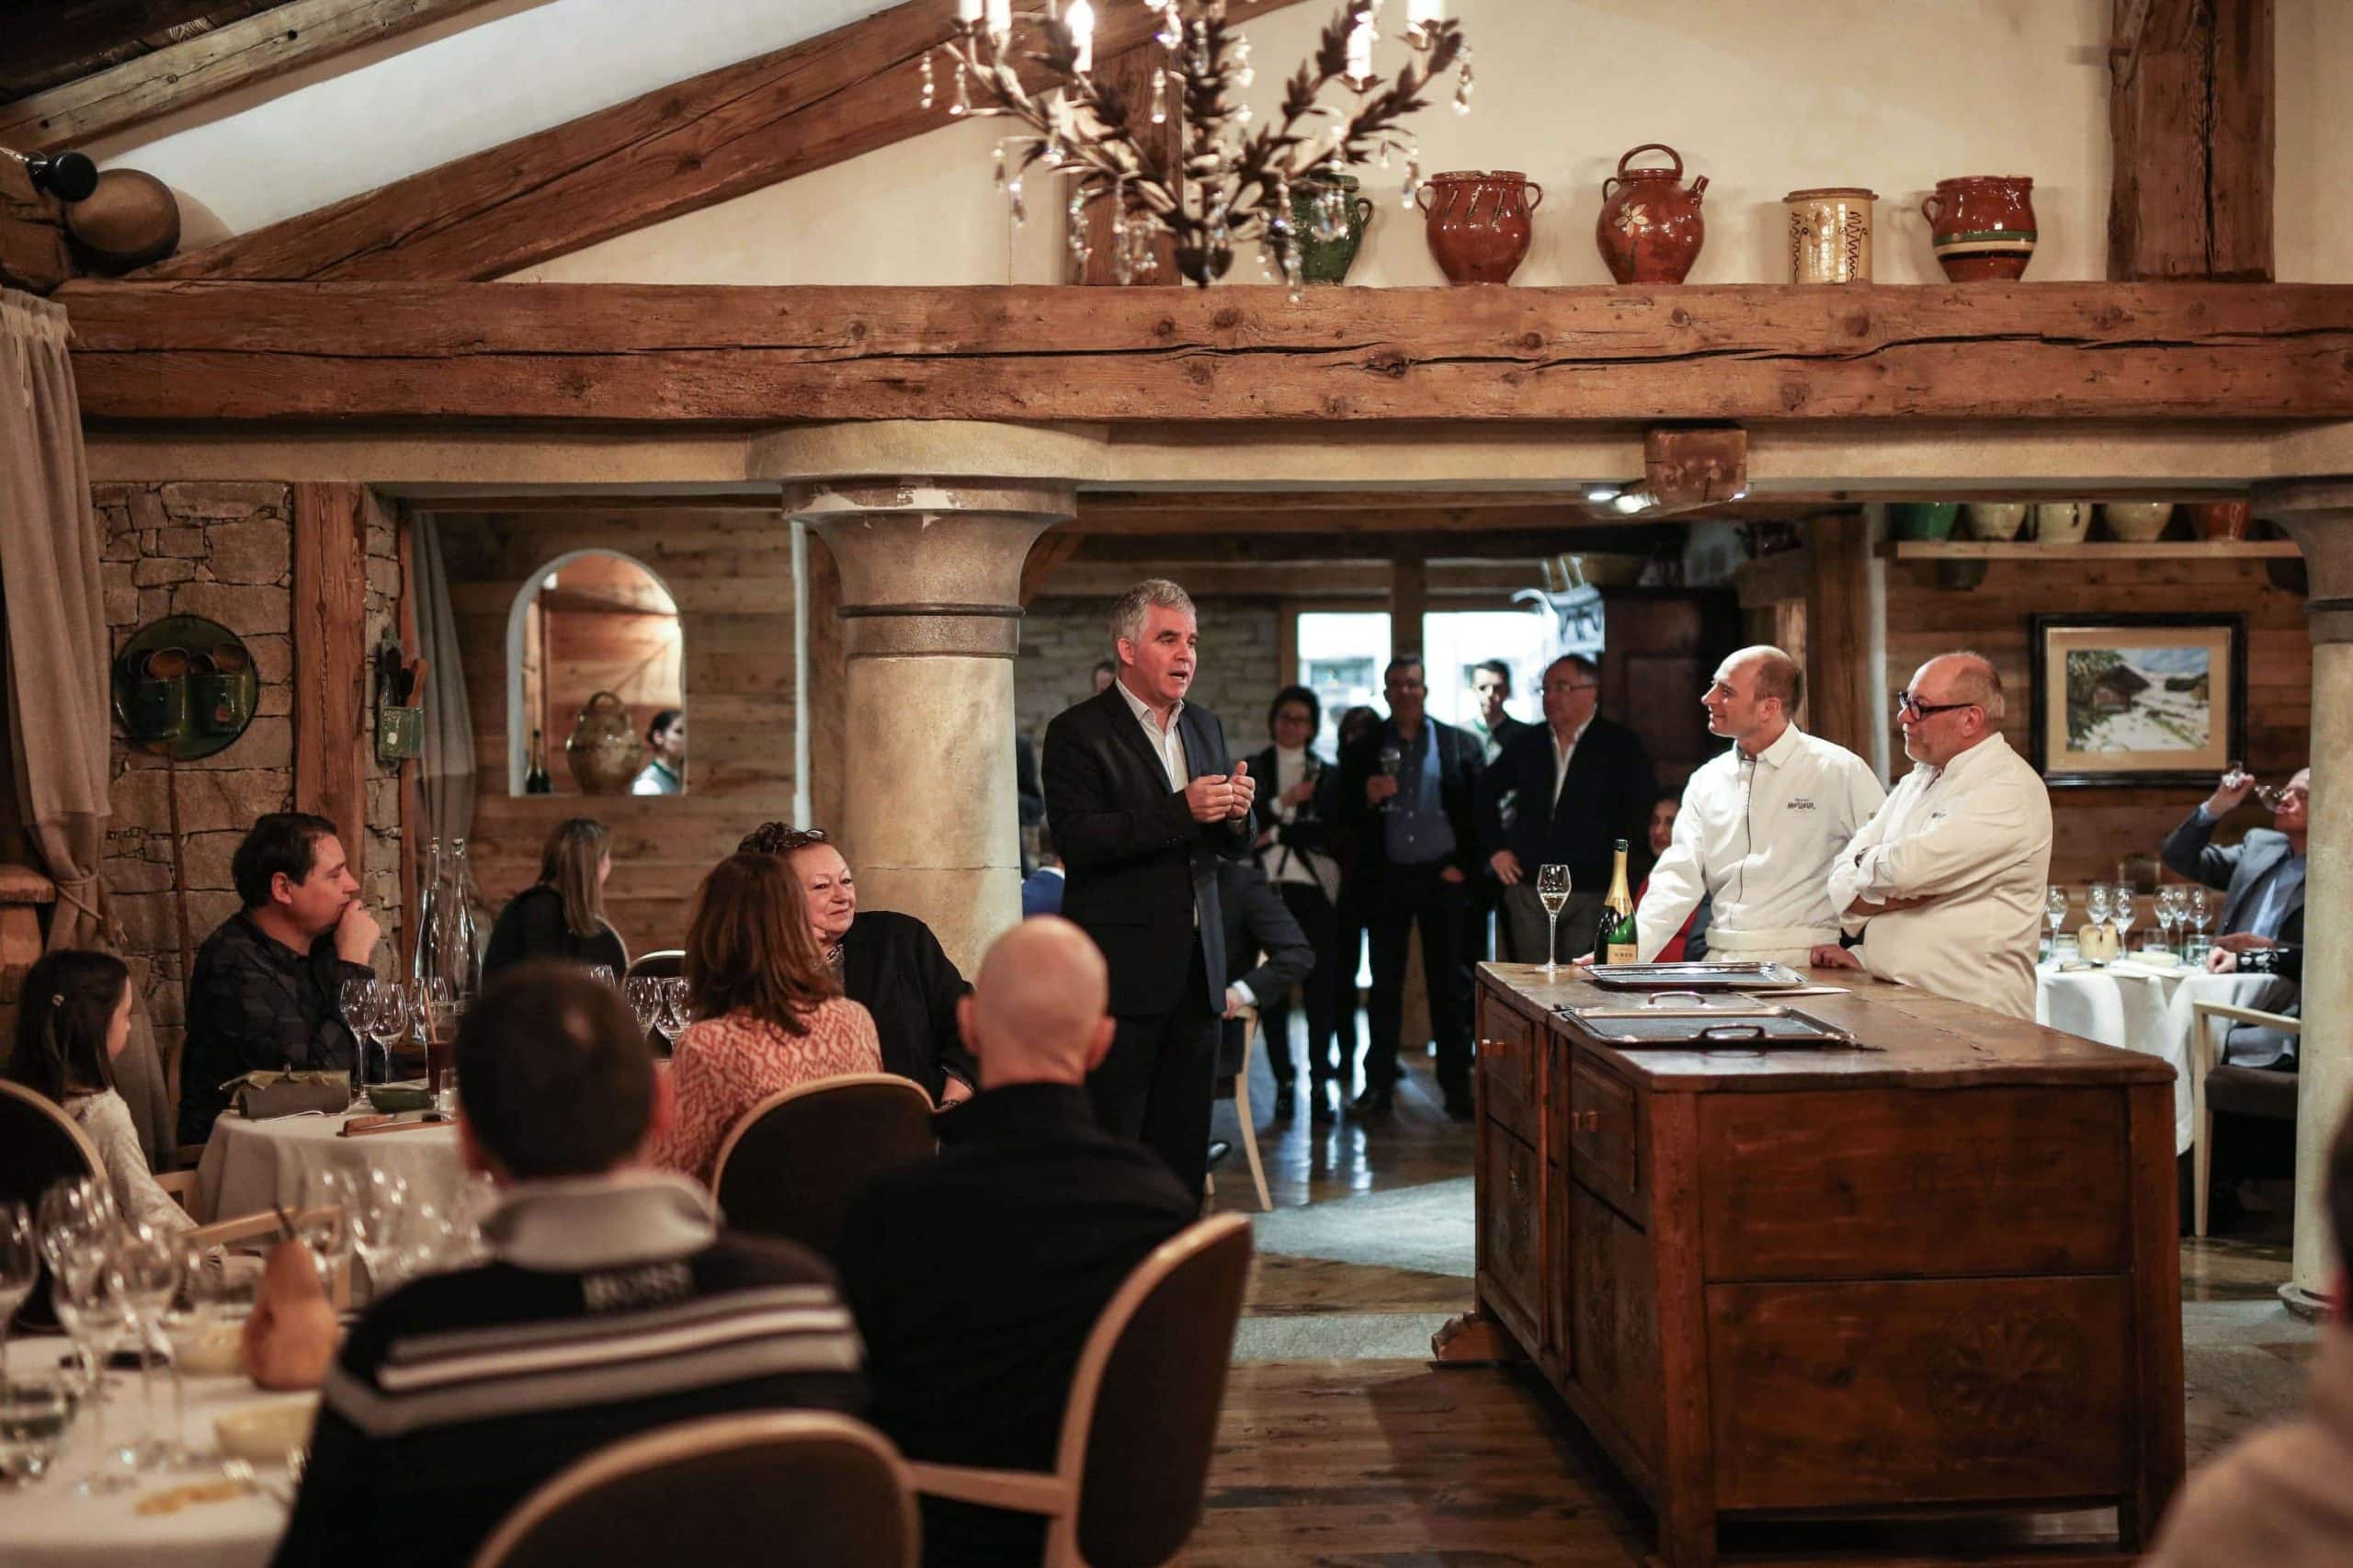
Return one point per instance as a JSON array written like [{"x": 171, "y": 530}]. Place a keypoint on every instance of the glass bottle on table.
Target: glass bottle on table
[
  {"x": 465, "y": 930},
  {"x": 1617, "y": 941},
  {"x": 1553, "y": 892},
  {"x": 429, "y": 913}
]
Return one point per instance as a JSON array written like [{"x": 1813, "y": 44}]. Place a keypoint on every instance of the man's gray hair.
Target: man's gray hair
[
  {"x": 1127, "y": 615},
  {"x": 1979, "y": 682}
]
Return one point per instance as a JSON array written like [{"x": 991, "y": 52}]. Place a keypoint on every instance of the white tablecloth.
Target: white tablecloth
[
  {"x": 250, "y": 1165},
  {"x": 44, "y": 1525},
  {"x": 2147, "y": 1010}
]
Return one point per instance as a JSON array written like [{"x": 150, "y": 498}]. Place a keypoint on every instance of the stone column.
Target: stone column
[
  {"x": 2319, "y": 515},
  {"x": 931, "y": 619}
]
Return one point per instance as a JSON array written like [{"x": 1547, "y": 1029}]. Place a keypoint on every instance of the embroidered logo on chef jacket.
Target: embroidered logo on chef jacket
[{"x": 1800, "y": 803}]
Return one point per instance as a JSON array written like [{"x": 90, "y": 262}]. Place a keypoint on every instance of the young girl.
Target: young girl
[{"x": 73, "y": 1020}]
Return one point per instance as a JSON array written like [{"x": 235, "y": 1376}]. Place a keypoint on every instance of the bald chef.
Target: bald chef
[
  {"x": 1946, "y": 882},
  {"x": 1760, "y": 824}
]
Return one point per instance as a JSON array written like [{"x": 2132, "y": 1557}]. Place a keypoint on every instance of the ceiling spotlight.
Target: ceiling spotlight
[
  {"x": 1633, "y": 501},
  {"x": 1602, "y": 495}
]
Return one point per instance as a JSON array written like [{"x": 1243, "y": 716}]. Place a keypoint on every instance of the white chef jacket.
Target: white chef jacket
[
  {"x": 1976, "y": 834},
  {"x": 1757, "y": 836}
]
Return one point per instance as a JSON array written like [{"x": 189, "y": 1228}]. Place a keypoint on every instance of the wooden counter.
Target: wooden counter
[{"x": 1943, "y": 1275}]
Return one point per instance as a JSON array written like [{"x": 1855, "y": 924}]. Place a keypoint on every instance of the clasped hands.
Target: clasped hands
[{"x": 1222, "y": 797}]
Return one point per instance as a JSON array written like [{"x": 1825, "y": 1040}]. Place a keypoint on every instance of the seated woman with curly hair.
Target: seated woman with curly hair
[{"x": 769, "y": 1011}]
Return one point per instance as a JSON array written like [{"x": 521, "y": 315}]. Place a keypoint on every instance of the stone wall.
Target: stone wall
[
  {"x": 224, "y": 552},
  {"x": 1241, "y": 658}
]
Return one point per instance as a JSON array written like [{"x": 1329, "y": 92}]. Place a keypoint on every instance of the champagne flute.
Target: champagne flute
[
  {"x": 1392, "y": 757},
  {"x": 2054, "y": 909},
  {"x": 20, "y": 1270},
  {"x": 1553, "y": 892}
]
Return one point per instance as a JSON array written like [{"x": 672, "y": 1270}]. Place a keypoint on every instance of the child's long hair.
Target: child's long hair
[{"x": 63, "y": 1016}]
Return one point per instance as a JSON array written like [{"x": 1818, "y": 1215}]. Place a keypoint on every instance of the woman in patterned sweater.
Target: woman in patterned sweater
[{"x": 769, "y": 1012}]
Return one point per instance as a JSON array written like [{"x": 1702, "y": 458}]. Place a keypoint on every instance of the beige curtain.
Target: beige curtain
[
  {"x": 55, "y": 652},
  {"x": 447, "y": 768}
]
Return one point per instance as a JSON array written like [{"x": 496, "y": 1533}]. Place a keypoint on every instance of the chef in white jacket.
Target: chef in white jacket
[
  {"x": 1760, "y": 824},
  {"x": 1946, "y": 882}
]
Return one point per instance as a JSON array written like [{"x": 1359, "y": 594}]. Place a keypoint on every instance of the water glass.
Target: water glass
[
  {"x": 34, "y": 1415},
  {"x": 1391, "y": 758}
]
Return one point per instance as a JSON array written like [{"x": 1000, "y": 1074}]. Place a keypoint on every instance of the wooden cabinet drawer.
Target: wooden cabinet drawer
[
  {"x": 1508, "y": 1071},
  {"x": 1602, "y": 1129},
  {"x": 1511, "y": 1233}
]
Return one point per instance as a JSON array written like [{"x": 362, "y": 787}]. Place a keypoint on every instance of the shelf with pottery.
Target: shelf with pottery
[{"x": 2094, "y": 549}]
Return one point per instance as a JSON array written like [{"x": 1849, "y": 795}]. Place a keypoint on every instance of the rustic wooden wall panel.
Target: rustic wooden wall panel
[
  {"x": 731, "y": 572},
  {"x": 651, "y": 354},
  {"x": 2094, "y": 828},
  {"x": 328, "y": 613},
  {"x": 2192, "y": 120}
]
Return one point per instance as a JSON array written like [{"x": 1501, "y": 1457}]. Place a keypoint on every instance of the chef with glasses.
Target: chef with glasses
[{"x": 1946, "y": 882}]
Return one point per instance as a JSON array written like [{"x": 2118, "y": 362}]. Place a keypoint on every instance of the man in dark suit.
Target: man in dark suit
[
  {"x": 1266, "y": 954},
  {"x": 2262, "y": 879},
  {"x": 1582, "y": 782},
  {"x": 1139, "y": 790},
  {"x": 1405, "y": 795},
  {"x": 976, "y": 1278}
]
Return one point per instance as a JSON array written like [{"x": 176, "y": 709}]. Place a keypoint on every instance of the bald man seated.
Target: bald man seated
[{"x": 976, "y": 1276}]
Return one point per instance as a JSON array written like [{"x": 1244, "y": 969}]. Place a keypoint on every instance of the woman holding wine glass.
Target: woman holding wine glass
[{"x": 1293, "y": 826}]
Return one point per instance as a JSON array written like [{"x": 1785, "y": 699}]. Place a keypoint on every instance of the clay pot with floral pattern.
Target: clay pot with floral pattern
[{"x": 1650, "y": 230}]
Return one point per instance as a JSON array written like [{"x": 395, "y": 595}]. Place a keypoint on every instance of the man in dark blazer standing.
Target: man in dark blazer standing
[
  {"x": 1143, "y": 805},
  {"x": 1411, "y": 817},
  {"x": 1582, "y": 782}
]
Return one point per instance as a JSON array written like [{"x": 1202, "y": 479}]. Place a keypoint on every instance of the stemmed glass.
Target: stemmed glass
[
  {"x": 2266, "y": 795},
  {"x": 357, "y": 998},
  {"x": 2096, "y": 902},
  {"x": 142, "y": 1274},
  {"x": 20, "y": 1270},
  {"x": 388, "y": 1020},
  {"x": 2054, "y": 909},
  {"x": 78, "y": 1294},
  {"x": 677, "y": 1012},
  {"x": 73, "y": 1218},
  {"x": 644, "y": 993},
  {"x": 329, "y": 1195},
  {"x": 602, "y": 973},
  {"x": 2199, "y": 904},
  {"x": 34, "y": 1414},
  {"x": 379, "y": 1206},
  {"x": 196, "y": 1324},
  {"x": 2120, "y": 901},
  {"x": 1553, "y": 892},
  {"x": 1392, "y": 757},
  {"x": 2170, "y": 911}
]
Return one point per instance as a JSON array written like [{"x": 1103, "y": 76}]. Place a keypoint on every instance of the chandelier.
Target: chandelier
[{"x": 1226, "y": 183}]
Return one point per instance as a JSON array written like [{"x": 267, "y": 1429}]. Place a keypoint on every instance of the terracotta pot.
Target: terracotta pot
[
  {"x": 1329, "y": 208},
  {"x": 1830, "y": 235},
  {"x": 2222, "y": 519},
  {"x": 2061, "y": 522},
  {"x": 604, "y": 747},
  {"x": 1923, "y": 520},
  {"x": 1982, "y": 226},
  {"x": 1478, "y": 223},
  {"x": 1995, "y": 519},
  {"x": 1650, "y": 230},
  {"x": 2137, "y": 522}
]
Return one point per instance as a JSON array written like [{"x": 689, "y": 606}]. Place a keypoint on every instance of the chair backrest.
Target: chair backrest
[
  {"x": 1142, "y": 1421},
  {"x": 669, "y": 963},
  {"x": 43, "y": 1147},
  {"x": 793, "y": 1162},
  {"x": 777, "y": 1489}
]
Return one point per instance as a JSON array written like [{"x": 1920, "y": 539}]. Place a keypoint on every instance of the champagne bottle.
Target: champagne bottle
[
  {"x": 536, "y": 780},
  {"x": 1618, "y": 943}
]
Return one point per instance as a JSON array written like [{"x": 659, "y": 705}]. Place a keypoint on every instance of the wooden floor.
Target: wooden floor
[{"x": 1393, "y": 1463}]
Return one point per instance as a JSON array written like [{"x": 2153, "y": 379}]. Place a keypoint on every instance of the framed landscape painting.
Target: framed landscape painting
[{"x": 2156, "y": 701}]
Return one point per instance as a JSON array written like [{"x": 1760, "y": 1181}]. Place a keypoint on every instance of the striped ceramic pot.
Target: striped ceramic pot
[{"x": 1982, "y": 226}]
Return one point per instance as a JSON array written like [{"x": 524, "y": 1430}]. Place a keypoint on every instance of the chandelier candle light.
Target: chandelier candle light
[{"x": 1226, "y": 185}]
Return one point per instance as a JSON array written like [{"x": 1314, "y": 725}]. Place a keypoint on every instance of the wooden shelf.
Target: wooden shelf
[{"x": 2029, "y": 550}]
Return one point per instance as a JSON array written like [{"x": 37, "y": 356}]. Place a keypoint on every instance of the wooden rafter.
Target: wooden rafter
[
  {"x": 33, "y": 254},
  {"x": 665, "y": 152},
  {"x": 632, "y": 353},
  {"x": 2192, "y": 120},
  {"x": 80, "y": 38},
  {"x": 1437, "y": 542},
  {"x": 218, "y": 59}
]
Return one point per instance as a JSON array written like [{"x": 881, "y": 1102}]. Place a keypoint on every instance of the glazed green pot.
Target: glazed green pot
[
  {"x": 1328, "y": 260},
  {"x": 1923, "y": 520}
]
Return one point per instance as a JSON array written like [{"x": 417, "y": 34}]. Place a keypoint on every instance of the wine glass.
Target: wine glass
[
  {"x": 644, "y": 995},
  {"x": 1392, "y": 757},
  {"x": 143, "y": 1275},
  {"x": 78, "y": 1294},
  {"x": 1553, "y": 892},
  {"x": 2096, "y": 902},
  {"x": 388, "y": 1018},
  {"x": 2172, "y": 909},
  {"x": 20, "y": 1270},
  {"x": 73, "y": 1221},
  {"x": 602, "y": 973},
  {"x": 2119, "y": 903},
  {"x": 2054, "y": 909},
  {"x": 329, "y": 1195},
  {"x": 379, "y": 1204},
  {"x": 2199, "y": 904},
  {"x": 677, "y": 1012}
]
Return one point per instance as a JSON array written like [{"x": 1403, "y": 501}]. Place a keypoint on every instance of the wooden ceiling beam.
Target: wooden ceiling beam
[
  {"x": 1448, "y": 545},
  {"x": 1494, "y": 582},
  {"x": 660, "y": 154},
  {"x": 629, "y": 354},
  {"x": 33, "y": 252},
  {"x": 221, "y": 58},
  {"x": 2192, "y": 120},
  {"x": 80, "y": 38}
]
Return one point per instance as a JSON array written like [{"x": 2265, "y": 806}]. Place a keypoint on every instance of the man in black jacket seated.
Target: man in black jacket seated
[
  {"x": 1406, "y": 798},
  {"x": 611, "y": 1305},
  {"x": 265, "y": 991},
  {"x": 890, "y": 964},
  {"x": 976, "y": 1278},
  {"x": 1266, "y": 955}
]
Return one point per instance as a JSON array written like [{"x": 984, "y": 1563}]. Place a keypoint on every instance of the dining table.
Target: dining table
[
  {"x": 2145, "y": 1004},
  {"x": 45, "y": 1523},
  {"x": 250, "y": 1166}
]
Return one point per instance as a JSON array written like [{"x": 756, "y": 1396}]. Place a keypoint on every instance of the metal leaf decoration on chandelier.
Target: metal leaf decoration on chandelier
[{"x": 1226, "y": 185}]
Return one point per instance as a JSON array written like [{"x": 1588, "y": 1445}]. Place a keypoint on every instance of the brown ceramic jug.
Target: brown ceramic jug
[
  {"x": 604, "y": 749},
  {"x": 1650, "y": 230},
  {"x": 1981, "y": 226},
  {"x": 1477, "y": 222}
]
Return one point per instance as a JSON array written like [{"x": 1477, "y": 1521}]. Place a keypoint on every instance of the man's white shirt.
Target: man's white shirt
[
  {"x": 1758, "y": 837},
  {"x": 1974, "y": 836}
]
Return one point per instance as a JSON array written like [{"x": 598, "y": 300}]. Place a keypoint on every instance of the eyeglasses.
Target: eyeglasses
[
  {"x": 1585, "y": 686},
  {"x": 1907, "y": 703},
  {"x": 776, "y": 838}
]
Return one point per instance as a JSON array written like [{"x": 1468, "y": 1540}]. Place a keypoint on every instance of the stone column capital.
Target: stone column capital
[{"x": 2318, "y": 514}]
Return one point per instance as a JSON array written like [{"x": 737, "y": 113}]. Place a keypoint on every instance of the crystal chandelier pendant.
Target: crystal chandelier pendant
[
  {"x": 1462, "y": 86},
  {"x": 929, "y": 88},
  {"x": 1013, "y": 201},
  {"x": 1412, "y": 173},
  {"x": 1160, "y": 97},
  {"x": 962, "y": 103}
]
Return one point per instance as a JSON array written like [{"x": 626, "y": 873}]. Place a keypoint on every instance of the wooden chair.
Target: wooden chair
[
  {"x": 777, "y": 1489},
  {"x": 669, "y": 963},
  {"x": 792, "y": 1164},
  {"x": 1241, "y": 1097},
  {"x": 1140, "y": 1422},
  {"x": 2239, "y": 1091}
]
